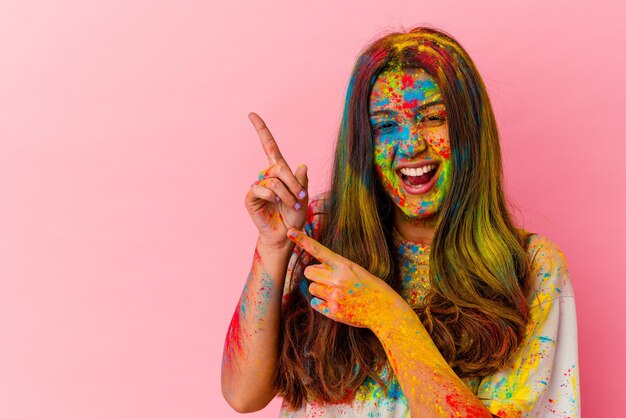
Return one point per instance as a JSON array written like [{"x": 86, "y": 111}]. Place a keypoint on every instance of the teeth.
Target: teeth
[{"x": 417, "y": 171}]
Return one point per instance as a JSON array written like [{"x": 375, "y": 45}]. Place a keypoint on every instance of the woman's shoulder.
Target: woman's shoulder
[{"x": 549, "y": 270}]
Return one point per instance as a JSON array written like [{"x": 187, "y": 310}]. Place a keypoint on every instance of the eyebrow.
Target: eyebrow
[{"x": 383, "y": 111}]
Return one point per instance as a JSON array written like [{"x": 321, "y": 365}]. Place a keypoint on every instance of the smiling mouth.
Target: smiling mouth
[{"x": 415, "y": 177}]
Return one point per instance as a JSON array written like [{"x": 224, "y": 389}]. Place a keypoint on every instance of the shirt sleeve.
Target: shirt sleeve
[{"x": 541, "y": 379}]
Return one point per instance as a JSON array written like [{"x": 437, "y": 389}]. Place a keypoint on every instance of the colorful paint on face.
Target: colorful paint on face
[{"x": 408, "y": 118}]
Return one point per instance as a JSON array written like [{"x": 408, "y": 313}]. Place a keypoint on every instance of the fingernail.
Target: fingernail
[
  {"x": 297, "y": 206},
  {"x": 277, "y": 199},
  {"x": 302, "y": 194},
  {"x": 291, "y": 233}
]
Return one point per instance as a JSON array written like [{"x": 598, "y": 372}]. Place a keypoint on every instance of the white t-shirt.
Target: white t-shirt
[{"x": 540, "y": 380}]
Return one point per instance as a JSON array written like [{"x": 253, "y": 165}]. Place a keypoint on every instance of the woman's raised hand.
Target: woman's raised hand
[{"x": 278, "y": 200}]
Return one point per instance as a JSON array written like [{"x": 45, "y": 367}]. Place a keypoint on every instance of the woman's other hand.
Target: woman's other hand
[
  {"x": 345, "y": 291},
  {"x": 278, "y": 200}
]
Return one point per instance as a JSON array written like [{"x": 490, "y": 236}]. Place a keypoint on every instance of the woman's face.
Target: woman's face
[{"x": 411, "y": 142}]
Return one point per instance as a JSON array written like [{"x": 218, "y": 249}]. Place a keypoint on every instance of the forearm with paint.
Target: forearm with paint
[
  {"x": 429, "y": 384},
  {"x": 251, "y": 346}
]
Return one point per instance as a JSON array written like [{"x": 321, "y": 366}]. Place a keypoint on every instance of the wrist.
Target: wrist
[
  {"x": 274, "y": 247},
  {"x": 400, "y": 316}
]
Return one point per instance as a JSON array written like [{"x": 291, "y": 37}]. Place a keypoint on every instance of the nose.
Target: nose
[{"x": 412, "y": 143}]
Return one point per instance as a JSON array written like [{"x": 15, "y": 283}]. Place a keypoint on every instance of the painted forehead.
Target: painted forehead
[{"x": 403, "y": 90}]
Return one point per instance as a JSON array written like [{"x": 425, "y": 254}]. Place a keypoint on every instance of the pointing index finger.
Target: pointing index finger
[
  {"x": 267, "y": 140},
  {"x": 311, "y": 246}
]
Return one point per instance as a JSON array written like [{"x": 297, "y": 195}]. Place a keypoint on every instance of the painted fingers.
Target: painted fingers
[
  {"x": 294, "y": 183},
  {"x": 317, "y": 250}
]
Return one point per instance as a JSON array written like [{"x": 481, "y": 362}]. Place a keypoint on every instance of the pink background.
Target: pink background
[{"x": 126, "y": 153}]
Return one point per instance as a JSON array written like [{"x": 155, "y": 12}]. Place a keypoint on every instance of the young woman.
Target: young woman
[{"x": 407, "y": 289}]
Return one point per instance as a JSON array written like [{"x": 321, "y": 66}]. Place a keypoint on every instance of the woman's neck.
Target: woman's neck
[{"x": 415, "y": 229}]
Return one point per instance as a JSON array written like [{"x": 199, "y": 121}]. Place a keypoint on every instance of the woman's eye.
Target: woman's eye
[
  {"x": 385, "y": 126},
  {"x": 434, "y": 120}
]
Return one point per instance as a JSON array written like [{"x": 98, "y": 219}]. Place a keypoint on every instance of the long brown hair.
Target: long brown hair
[{"x": 476, "y": 308}]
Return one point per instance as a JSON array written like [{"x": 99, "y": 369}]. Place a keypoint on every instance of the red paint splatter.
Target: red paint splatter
[
  {"x": 407, "y": 81},
  {"x": 457, "y": 403},
  {"x": 233, "y": 345}
]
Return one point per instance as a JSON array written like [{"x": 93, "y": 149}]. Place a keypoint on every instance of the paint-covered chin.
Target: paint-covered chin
[{"x": 416, "y": 206}]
